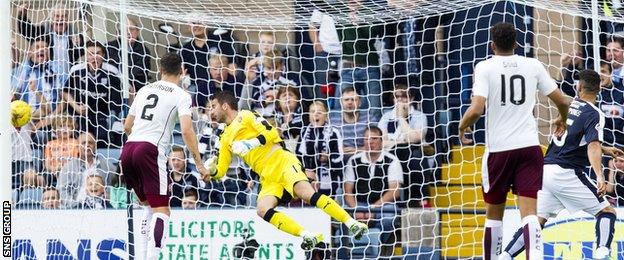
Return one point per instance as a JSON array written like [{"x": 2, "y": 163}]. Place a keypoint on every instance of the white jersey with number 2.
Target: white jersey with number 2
[
  {"x": 156, "y": 109},
  {"x": 510, "y": 84}
]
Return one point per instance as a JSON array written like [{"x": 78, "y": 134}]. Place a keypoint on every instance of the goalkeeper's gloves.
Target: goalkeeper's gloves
[
  {"x": 241, "y": 148},
  {"x": 211, "y": 166}
]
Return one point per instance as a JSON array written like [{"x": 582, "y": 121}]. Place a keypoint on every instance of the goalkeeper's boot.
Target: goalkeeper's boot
[
  {"x": 358, "y": 229},
  {"x": 310, "y": 240}
]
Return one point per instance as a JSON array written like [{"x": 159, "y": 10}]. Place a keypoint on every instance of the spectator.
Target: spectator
[
  {"x": 118, "y": 193},
  {"x": 36, "y": 82},
  {"x": 360, "y": 62},
  {"x": 190, "y": 200},
  {"x": 50, "y": 199},
  {"x": 289, "y": 116},
  {"x": 29, "y": 195},
  {"x": 197, "y": 52},
  {"x": 182, "y": 180},
  {"x": 220, "y": 80},
  {"x": 139, "y": 56},
  {"x": 58, "y": 151},
  {"x": 404, "y": 128},
  {"x": 321, "y": 150},
  {"x": 65, "y": 44},
  {"x": 93, "y": 92},
  {"x": 372, "y": 180},
  {"x": 22, "y": 155},
  {"x": 265, "y": 47},
  {"x": 615, "y": 55},
  {"x": 327, "y": 48},
  {"x": 264, "y": 89},
  {"x": 615, "y": 185},
  {"x": 610, "y": 101},
  {"x": 96, "y": 194},
  {"x": 72, "y": 178},
  {"x": 351, "y": 122}
]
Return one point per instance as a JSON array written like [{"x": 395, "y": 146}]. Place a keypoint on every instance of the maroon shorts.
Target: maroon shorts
[
  {"x": 144, "y": 169},
  {"x": 519, "y": 169}
]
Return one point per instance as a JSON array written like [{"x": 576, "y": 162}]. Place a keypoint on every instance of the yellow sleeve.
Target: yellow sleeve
[
  {"x": 267, "y": 134},
  {"x": 224, "y": 159}
]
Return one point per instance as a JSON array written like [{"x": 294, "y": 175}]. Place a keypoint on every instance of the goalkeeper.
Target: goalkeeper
[{"x": 251, "y": 137}]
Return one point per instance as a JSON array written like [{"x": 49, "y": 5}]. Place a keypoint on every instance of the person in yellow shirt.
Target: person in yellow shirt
[{"x": 253, "y": 139}]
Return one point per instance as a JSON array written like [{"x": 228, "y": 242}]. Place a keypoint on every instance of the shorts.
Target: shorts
[
  {"x": 280, "y": 175},
  {"x": 144, "y": 168},
  {"x": 567, "y": 189},
  {"x": 519, "y": 170}
]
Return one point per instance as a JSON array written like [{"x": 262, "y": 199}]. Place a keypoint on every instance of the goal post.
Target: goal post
[{"x": 379, "y": 48}]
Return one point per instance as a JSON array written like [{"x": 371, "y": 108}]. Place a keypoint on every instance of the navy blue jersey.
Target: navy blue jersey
[{"x": 585, "y": 125}]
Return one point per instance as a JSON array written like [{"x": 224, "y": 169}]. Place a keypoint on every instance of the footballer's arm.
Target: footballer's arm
[
  {"x": 190, "y": 139},
  {"x": 129, "y": 122},
  {"x": 472, "y": 115},
  {"x": 562, "y": 102},
  {"x": 594, "y": 153}
]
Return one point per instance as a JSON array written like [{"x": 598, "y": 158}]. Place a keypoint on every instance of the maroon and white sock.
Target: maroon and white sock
[
  {"x": 492, "y": 239},
  {"x": 144, "y": 231},
  {"x": 532, "y": 232},
  {"x": 157, "y": 235}
]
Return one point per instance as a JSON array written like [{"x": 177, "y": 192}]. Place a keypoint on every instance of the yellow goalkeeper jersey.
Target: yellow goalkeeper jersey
[{"x": 248, "y": 125}]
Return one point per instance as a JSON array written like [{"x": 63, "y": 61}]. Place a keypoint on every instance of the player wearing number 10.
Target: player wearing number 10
[
  {"x": 254, "y": 140},
  {"x": 506, "y": 85},
  {"x": 149, "y": 125}
]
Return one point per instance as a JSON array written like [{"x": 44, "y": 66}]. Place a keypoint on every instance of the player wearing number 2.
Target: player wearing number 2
[
  {"x": 505, "y": 87},
  {"x": 565, "y": 185},
  {"x": 149, "y": 126},
  {"x": 253, "y": 139}
]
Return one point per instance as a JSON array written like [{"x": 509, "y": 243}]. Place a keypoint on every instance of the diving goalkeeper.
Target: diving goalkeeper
[{"x": 251, "y": 137}]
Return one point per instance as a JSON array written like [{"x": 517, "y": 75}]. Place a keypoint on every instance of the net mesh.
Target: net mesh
[{"x": 409, "y": 62}]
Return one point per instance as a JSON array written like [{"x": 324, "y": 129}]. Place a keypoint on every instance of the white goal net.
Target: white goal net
[{"x": 367, "y": 93}]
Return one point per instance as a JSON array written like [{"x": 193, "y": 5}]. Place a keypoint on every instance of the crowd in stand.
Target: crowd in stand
[{"x": 355, "y": 145}]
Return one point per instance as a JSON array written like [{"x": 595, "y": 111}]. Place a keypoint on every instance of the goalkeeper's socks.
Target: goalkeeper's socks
[
  {"x": 157, "y": 234},
  {"x": 492, "y": 239},
  {"x": 330, "y": 207},
  {"x": 605, "y": 225},
  {"x": 145, "y": 228},
  {"x": 532, "y": 237},
  {"x": 283, "y": 222}
]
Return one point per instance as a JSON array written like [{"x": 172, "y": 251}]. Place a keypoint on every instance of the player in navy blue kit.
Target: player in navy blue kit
[{"x": 565, "y": 186}]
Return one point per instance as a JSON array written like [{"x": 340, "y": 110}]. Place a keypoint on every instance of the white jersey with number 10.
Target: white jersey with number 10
[
  {"x": 510, "y": 84},
  {"x": 156, "y": 109}
]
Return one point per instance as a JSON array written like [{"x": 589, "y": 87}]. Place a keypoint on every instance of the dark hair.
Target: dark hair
[
  {"x": 590, "y": 81},
  {"x": 609, "y": 67},
  {"x": 504, "y": 36},
  {"x": 52, "y": 189},
  {"x": 374, "y": 128},
  {"x": 177, "y": 148},
  {"x": 190, "y": 192},
  {"x": 347, "y": 89},
  {"x": 226, "y": 97},
  {"x": 171, "y": 64},
  {"x": 95, "y": 44},
  {"x": 619, "y": 40}
]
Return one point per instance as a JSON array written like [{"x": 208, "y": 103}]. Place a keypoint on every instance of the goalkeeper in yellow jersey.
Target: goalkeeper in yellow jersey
[{"x": 251, "y": 137}]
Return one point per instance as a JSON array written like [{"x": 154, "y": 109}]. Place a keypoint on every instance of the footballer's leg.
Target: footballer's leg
[
  {"x": 527, "y": 182},
  {"x": 305, "y": 191},
  {"x": 605, "y": 227},
  {"x": 496, "y": 176},
  {"x": 267, "y": 202},
  {"x": 154, "y": 182}
]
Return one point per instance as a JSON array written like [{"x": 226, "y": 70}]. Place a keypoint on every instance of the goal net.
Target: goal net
[{"x": 368, "y": 94}]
